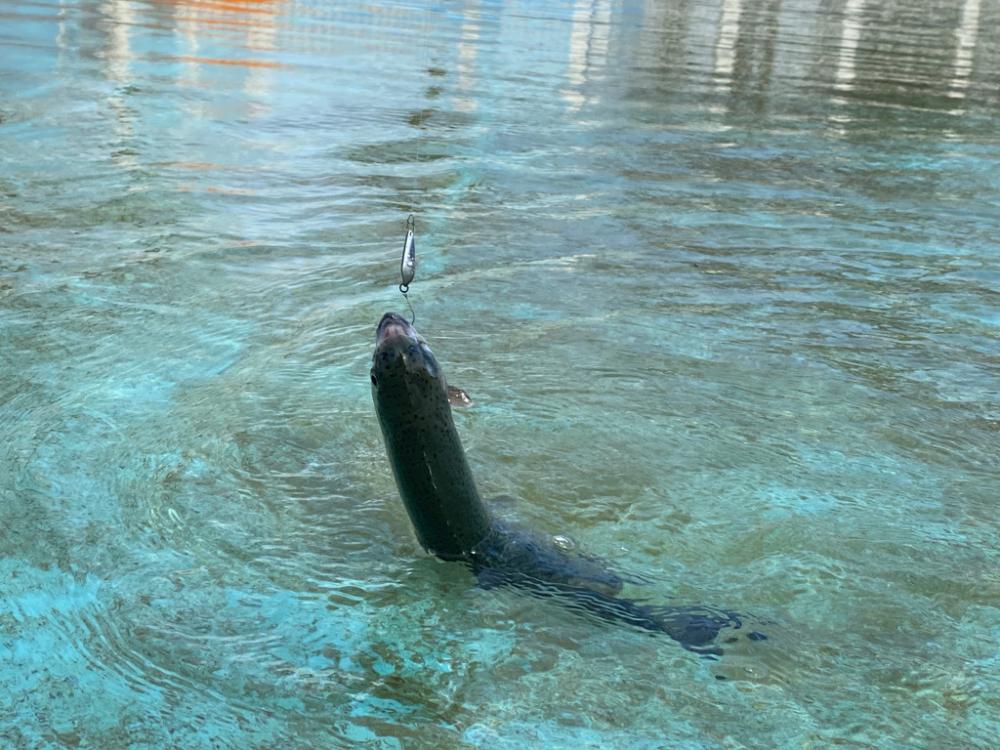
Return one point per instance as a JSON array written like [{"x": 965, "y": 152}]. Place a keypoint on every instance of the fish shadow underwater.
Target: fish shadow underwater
[{"x": 413, "y": 404}]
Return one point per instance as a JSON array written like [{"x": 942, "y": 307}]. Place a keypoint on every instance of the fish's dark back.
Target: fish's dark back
[{"x": 432, "y": 474}]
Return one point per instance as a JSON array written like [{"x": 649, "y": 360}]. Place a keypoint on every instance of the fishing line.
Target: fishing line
[{"x": 404, "y": 288}]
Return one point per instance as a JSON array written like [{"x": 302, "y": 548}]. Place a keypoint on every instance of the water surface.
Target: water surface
[{"x": 722, "y": 280}]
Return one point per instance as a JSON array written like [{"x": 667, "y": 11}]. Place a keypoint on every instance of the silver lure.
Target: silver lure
[{"x": 408, "y": 263}]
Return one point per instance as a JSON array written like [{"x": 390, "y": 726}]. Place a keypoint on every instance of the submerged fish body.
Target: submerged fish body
[
  {"x": 533, "y": 562},
  {"x": 451, "y": 521}
]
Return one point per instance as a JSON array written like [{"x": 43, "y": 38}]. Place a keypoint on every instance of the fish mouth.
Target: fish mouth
[{"x": 393, "y": 325}]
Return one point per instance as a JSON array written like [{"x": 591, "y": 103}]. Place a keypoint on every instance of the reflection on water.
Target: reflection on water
[
  {"x": 588, "y": 48},
  {"x": 851, "y": 34},
  {"x": 719, "y": 276},
  {"x": 725, "y": 47},
  {"x": 966, "y": 34},
  {"x": 466, "y": 64}
]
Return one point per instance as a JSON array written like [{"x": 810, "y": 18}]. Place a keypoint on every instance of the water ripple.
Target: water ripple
[{"x": 719, "y": 277}]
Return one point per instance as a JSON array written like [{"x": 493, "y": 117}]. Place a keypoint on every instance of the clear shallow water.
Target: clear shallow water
[{"x": 721, "y": 279}]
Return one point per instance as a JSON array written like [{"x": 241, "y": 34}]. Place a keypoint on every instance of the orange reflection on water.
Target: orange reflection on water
[
  {"x": 198, "y": 166},
  {"x": 241, "y": 62},
  {"x": 255, "y": 23},
  {"x": 246, "y": 6}
]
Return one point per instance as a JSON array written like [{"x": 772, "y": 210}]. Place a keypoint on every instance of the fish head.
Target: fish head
[{"x": 404, "y": 369}]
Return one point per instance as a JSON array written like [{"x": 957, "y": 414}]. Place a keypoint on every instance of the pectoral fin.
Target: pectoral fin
[{"x": 458, "y": 397}]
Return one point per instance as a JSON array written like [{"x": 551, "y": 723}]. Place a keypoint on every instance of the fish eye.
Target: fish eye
[{"x": 374, "y": 379}]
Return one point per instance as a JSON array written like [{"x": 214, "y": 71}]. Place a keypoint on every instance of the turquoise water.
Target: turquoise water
[{"x": 722, "y": 280}]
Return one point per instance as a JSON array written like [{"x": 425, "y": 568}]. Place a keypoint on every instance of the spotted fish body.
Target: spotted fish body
[
  {"x": 452, "y": 522},
  {"x": 423, "y": 446}
]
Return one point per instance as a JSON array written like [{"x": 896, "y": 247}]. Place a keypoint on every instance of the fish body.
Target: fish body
[{"x": 451, "y": 520}]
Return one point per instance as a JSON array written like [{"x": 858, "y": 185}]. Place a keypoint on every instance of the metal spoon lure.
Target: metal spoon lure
[{"x": 408, "y": 264}]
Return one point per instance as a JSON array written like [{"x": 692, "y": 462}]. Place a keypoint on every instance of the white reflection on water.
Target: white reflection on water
[
  {"x": 588, "y": 48},
  {"x": 188, "y": 29},
  {"x": 118, "y": 58},
  {"x": 119, "y": 54},
  {"x": 725, "y": 45},
  {"x": 966, "y": 34},
  {"x": 849, "y": 39},
  {"x": 260, "y": 78},
  {"x": 468, "y": 46}
]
